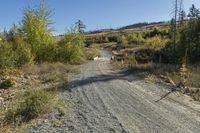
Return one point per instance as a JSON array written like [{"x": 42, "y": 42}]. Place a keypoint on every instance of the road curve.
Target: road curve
[{"x": 110, "y": 101}]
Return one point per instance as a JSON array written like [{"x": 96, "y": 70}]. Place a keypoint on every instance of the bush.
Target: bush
[
  {"x": 46, "y": 53},
  {"x": 123, "y": 40},
  {"x": 7, "y": 55},
  {"x": 155, "y": 42},
  {"x": 135, "y": 38},
  {"x": 15, "y": 55},
  {"x": 156, "y": 32},
  {"x": 70, "y": 49},
  {"x": 36, "y": 103},
  {"x": 23, "y": 53},
  {"x": 34, "y": 43},
  {"x": 113, "y": 38}
]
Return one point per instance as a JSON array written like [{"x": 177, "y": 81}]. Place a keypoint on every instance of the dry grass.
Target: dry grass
[
  {"x": 172, "y": 71},
  {"x": 34, "y": 100},
  {"x": 54, "y": 77},
  {"x": 32, "y": 104},
  {"x": 48, "y": 68},
  {"x": 9, "y": 72},
  {"x": 154, "y": 73},
  {"x": 194, "y": 77}
]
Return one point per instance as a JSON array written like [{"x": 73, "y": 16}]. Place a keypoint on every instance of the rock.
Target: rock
[
  {"x": 1, "y": 101},
  {"x": 96, "y": 58},
  {"x": 26, "y": 77},
  {"x": 45, "y": 121},
  {"x": 1, "y": 98}
]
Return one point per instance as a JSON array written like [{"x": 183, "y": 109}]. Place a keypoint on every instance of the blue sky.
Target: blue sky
[{"x": 96, "y": 14}]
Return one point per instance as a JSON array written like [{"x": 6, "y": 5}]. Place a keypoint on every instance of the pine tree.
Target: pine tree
[
  {"x": 194, "y": 12},
  {"x": 80, "y": 26},
  {"x": 182, "y": 15}
]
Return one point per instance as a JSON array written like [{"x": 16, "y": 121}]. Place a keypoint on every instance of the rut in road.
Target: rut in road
[{"x": 110, "y": 101}]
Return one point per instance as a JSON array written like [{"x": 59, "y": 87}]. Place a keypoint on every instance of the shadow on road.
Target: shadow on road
[{"x": 122, "y": 75}]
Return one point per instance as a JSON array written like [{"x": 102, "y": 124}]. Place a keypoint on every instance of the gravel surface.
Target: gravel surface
[{"x": 103, "y": 100}]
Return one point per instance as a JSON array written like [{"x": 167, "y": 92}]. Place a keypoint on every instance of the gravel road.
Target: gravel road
[{"x": 103, "y": 100}]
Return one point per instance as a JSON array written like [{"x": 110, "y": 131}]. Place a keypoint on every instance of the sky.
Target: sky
[{"x": 96, "y": 14}]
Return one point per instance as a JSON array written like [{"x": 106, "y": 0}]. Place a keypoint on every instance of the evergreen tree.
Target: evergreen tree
[
  {"x": 13, "y": 33},
  {"x": 80, "y": 26},
  {"x": 194, "y": 12},
  {"x": 182, "y": 16}
]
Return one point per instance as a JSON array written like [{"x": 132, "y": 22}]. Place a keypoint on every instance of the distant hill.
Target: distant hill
[
  {"x": 133, "y": 27},
  {"x": 140, "y": 25}
]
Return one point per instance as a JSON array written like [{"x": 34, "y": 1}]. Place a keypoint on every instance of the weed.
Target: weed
[
  {"x": 45, "y": 68},
  {"x": 61, "y": 112},
  {"x": 54, "y": 77}
]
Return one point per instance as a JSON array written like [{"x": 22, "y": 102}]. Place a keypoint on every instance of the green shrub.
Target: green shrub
[
  {"x": 15, "y": 54},
  {"x": 23, "y": 53},
  {"x": 46, "y": 53},
  {"x": 156, "y": 32},
  {"x": 155, "y": 42},
  {"x": 70, "y": 49},
  {"x": 123, "y": 40},
  {"x": 100, "y": 39},
  {"x": 61, "y": 112},
  {"x": 34, "y": 43},
  {"x": 36, "y": 103},
  {"x": 135, "y": 38},
  {"x": 7, "y": 55}
]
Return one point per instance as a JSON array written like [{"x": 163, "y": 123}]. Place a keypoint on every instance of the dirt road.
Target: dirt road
[{"x": 110, "y": 101}]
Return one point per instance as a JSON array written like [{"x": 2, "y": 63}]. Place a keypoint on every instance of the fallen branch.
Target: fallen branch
[{"x": 175, "y": 87}]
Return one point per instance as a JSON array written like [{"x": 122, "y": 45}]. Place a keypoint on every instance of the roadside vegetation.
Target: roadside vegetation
[
  {"x": 33, "y": 42},
  {"x": 34, "y": 66},
  {"x": 155, "y": 52}
]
